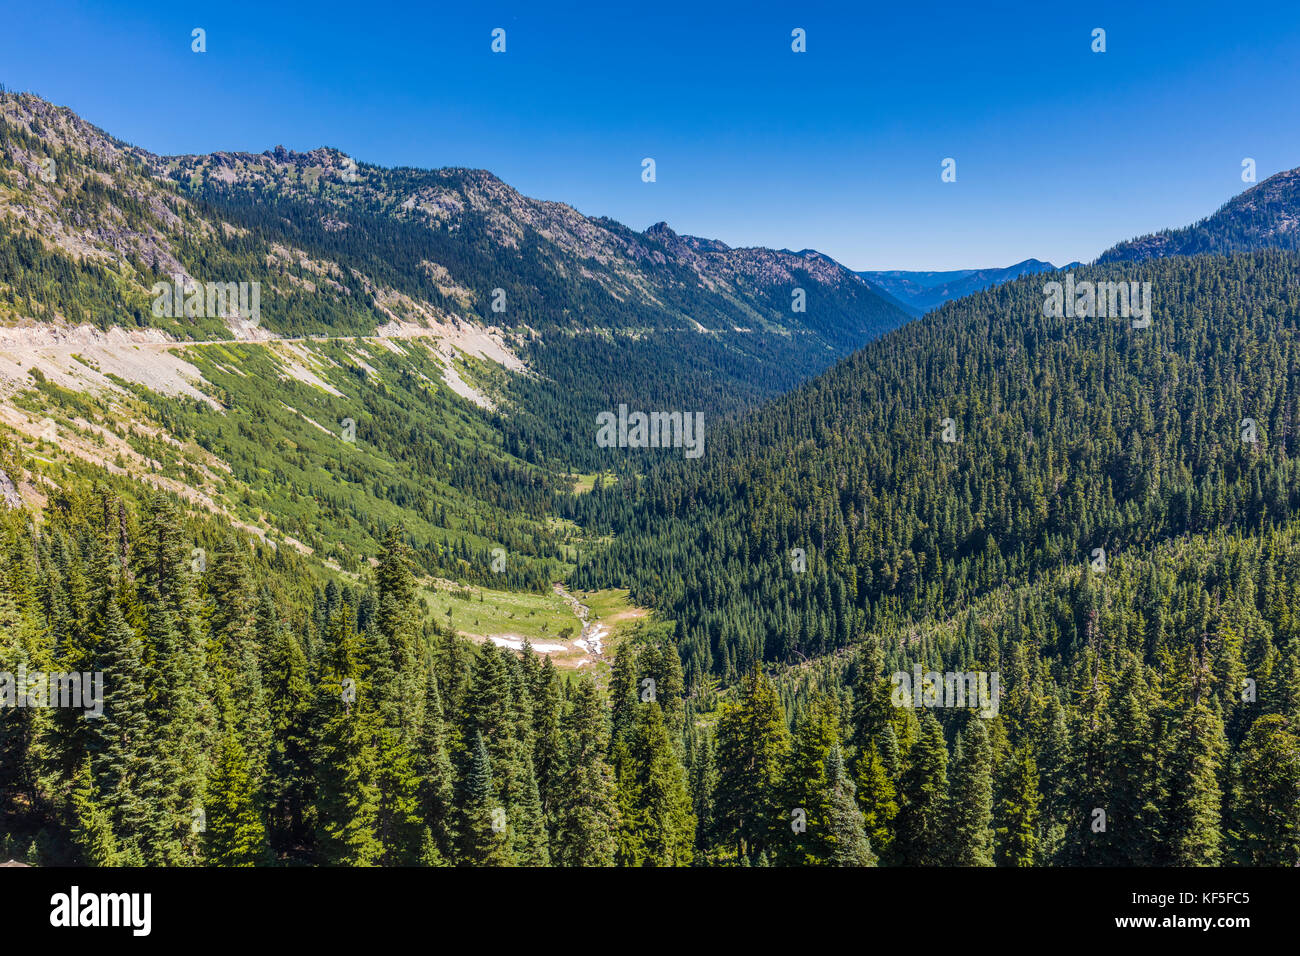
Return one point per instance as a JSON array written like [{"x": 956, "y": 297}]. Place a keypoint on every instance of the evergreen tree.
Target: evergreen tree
[
  {"x": 483, "y": 826},
  {"x": 656, "y": 826},
  {"x": 586, "y": 805},
  {"x": 919, "y": 838},
  {"x": 970, "y": 798},
  {"x": 180, "y": 698},
  {"x": 1266, "y": 824},
  {"x": 398, "y": 826},
  {"x": 437, "y": 777},
  {"x": 234, "y": 834},
  {"x": 751, "y": 744},
  {"x": 1195, "y": 799},
  {"x": 848, "y": 837},
  {"x": 806, "y": 786},
  {"x": 290, "y": 782},
  {"x": 878, "y": 799},
  {"x": 347, "y": 800},
  {"x": 1018, "y": 813},
  {"x": 92, "y": 828}
]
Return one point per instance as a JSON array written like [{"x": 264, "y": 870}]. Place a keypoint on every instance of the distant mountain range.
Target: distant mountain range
[
  {"x": 919, "y": 292},
  {"x": 1263, "y": 217}
]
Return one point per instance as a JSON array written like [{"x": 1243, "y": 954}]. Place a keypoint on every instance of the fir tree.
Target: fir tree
[
  {"x": 848, "y": 837},
  {"x": 92, "y": 828},
  {"x": 235, "y": 834},
  {"x": 483, "y": 826},
  {"x": 656, "y": 827},
  {"x": 1266, "y": 827},
  {"x": 586, "y": 808},
  {"x": 751, "y": 744},
  {"x": 1195, "y": 799},
  {"x": 970, "y": 798},
  {"x": 919, "y": 835},
  {"x": 1018, "y": 813}
]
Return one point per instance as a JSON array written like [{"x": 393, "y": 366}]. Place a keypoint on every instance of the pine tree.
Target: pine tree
[
  {"x": 401, "y": 696},
  {"x": 1017, "y": 817},
  {"x": 548, "y": 746},
  {"x": 93, "y": 830},
  {"x": 806, "y": 786},
  {"x": 878, "y": 799},
  {"x": 235, "y": 834},
  {"x": 177, "y": 681},
  {"x": 347, "y": 803},
  {"x": 919, "y": 836},
  {"x": 1194, "y": 797},
  {"x": 290, "y": 780},
  {"x": 483, "y": 826},
  {"x": 751, "y": 744},
  {"x": 871, "y": 693},
  {"x": 703, "y": 778},
  {"x": 848, "y": 837},
  {"x": 234, "y": 654},
  {"x": 346, "y": 758},
  {"x": 586, "y": 806},
  {"x": 623, "y": 697},
  {"x": 398, "y": 826},
  {"x": 656, "y": 827},
  {"x": 1133, "y": 824},
  {"x": 121, "y": 745},
  {"x": 970, "y": 798},
  {"x": 1266, "y": 827},
  {"x": 437, "y": 777}
]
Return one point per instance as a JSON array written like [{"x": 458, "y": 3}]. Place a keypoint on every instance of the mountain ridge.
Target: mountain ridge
[{"x": 1265, "y": 216}]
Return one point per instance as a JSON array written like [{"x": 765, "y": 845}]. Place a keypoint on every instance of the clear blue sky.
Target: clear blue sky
[{"x": 1060, "y": 151}]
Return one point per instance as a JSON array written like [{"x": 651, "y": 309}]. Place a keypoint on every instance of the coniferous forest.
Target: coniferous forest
[{"x": 358, "y": 578}]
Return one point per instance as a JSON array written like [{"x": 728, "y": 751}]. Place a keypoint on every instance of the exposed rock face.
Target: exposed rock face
[
  {"x": 9, "y": 492},
  {"x": 150, "y": 208}
]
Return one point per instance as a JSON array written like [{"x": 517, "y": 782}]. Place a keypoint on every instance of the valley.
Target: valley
[{"x": 373, "y": 582}]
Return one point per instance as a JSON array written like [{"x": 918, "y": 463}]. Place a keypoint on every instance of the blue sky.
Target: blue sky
[{"x": 1060, "y": 151}]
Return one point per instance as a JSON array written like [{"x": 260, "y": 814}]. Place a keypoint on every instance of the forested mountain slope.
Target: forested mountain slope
[
  {"x": 1067, "y": 435},
  {"x": 1265, "y": 216},
  {"x": 430, "y": 346},
  {"x": 602, "y": 313},
  {"x": 1099, "y": 513},
  {"x": 240, "y": 537}
]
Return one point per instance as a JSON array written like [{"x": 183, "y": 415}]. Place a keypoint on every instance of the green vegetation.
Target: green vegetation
[
  {"x": 1103, "y": 520},
  {"x": 480, "y": 611},
  {"x": 1138, "y": 683}
]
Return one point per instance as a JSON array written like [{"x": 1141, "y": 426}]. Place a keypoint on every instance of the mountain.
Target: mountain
[
  {"x": 469, "y": 335},
  {"x": 331, "y": 546},
  {"x": 919, "y": 292},
  {"x": 1068, "y": 434},
  {"x": 298, "y": 453},
  {"x": 1266, "y": 216},
  {"x": 600, "y": 313},
  {"x": 1097, "y": 524}
]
